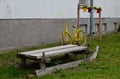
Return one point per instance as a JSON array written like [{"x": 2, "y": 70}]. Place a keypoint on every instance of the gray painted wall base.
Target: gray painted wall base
[{"x": 16, "y": 33}]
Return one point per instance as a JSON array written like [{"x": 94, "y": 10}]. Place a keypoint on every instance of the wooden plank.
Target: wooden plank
[
  {"x": 94, "y": 54},
  {"x": 49, "y": 70},
  {"x": 47, "y": 49},
  {"x": 57, "y": 52}
]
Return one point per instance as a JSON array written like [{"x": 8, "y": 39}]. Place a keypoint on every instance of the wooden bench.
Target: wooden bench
[{"x": 42, "y": 55}]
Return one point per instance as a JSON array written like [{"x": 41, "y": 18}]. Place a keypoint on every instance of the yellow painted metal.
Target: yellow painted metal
[{"x": 78, "y": 37}]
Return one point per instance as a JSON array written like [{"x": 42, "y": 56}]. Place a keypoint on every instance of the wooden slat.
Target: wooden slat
[
  {"x": 57, "y": 52},
  {"x": 47, "y": 49}
]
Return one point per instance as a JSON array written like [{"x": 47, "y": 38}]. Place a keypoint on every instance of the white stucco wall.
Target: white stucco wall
[
  {"x": 111, "y": 8},
  {"x": 53, "y": 8}
]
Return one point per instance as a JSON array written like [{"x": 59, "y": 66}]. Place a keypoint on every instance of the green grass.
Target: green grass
[{"x": 106, "y": 66}]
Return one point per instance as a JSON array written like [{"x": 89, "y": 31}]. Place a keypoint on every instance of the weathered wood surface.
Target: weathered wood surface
[
  {"x": 58, "y": 52},
  {"x": 53, "y": 68},
  {"x": 43, "y": 55},
  {"x": 47, "y": 49},
  {"x": 94, "y": 54},
  {"x": 49, "y": 70},
  {"x": 53, "y": 51}
]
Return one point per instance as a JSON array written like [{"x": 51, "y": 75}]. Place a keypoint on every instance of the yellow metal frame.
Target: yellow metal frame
[{"x": 78, "y": 37}]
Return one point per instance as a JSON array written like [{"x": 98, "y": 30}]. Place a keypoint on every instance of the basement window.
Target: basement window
[
  {"x": 96, "y": 27},
  {"x": 104, "y": 29},
  {"x": 84, "y": 27},
  {"x": 115, "y": 24}
]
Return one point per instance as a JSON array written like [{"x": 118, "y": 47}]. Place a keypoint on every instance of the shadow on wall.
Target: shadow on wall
[{"x": 118, "y": 28}]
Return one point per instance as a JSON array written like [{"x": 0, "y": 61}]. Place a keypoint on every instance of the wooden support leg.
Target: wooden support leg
[
  {"x": 42, "y": 65},
  {"x": 84, "y": 56},
  {"x": 42, "y": 61},
  {"x": 23, "y": 62}
]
